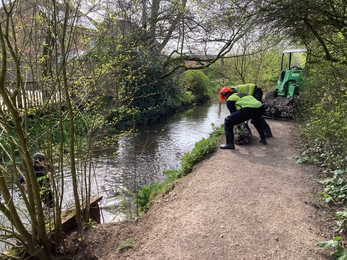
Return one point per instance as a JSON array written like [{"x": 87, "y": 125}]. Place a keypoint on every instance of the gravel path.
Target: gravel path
[{"x": 254, "y": 202}]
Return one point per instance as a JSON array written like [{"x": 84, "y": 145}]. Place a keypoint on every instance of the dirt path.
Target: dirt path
[{"x": 254, "y": 202}]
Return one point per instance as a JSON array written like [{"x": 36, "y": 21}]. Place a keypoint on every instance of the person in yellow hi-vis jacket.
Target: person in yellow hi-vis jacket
[
  {"x": 242, "y": 107},
  {"x": 41, "y": 169},
  {"x": 255, "y": 91}
]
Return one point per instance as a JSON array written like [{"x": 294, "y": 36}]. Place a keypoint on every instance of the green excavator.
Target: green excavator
[{"x": 280, "y": 103}]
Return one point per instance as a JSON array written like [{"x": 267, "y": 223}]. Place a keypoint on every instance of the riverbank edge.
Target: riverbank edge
[{"x": 202, "y": 149}]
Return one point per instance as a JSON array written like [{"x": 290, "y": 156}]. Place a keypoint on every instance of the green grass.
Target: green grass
[
  {"x": 129, "y": 243},
  {"x": 201, "y": 150}
]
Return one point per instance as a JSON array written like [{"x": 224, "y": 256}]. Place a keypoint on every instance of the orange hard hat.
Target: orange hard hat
[{"x": 224, "y": 92}]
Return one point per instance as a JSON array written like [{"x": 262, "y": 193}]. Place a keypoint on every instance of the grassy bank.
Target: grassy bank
[{"x": 201, "y": 150}]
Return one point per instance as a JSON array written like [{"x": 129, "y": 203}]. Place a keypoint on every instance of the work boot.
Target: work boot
[
  {"x": 267, "y": 134},
  {"x": 229, "y": 142},
  {"x": 261, "y": 133},
  {"x": 266, "y": 128},
  {"x": 263, "y": 141},
  {"x": 227, "y": 146}
]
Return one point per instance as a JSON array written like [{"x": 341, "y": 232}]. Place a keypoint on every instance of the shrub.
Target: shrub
[{"x": 197, "y": 83}]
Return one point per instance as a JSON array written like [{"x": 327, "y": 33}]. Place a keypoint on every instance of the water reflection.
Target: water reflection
[
  {"x": 142, "y": 158},
  {"x": 139, "y": 160}
]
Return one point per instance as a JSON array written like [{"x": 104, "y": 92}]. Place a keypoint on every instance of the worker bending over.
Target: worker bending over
[{"x": 242, "y": 107}]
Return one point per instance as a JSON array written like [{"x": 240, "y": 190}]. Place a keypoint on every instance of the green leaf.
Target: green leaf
[
  {"x": 337, "y": 238},
  {"x": 341, "y": 252},
  {"x": 326, "y": 244}
]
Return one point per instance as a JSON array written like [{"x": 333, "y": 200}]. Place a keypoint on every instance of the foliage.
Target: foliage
[
  {"x": 197, "y": 83},
  {"x": 154, "y": 96},
  {"x": 129, "y": 243},
  {"x": 146, "y": 194},
  {"x": 201, "y": 149},
  {"x": 336, "y": 187},
  {"x": 120, "y": 78},
  {"x": 321, "y": 31},
  {"x": 39, "y": 129},
  {"x": 341, "y": 216},
  {"x": 324, "y": 134},
  {"x": 335, "y": 190},
  {"x": 139, "y": 74},
  {"x": 252, "y": 62},
  {"x": 329, "y": 243},
  {"x": 54, "y": 103},
  {"x": 341, "y": 252},
  {"x": 322, "y": 114},
  {"x": 217, "y": 132},
  {"x": 86, "y": 81}
]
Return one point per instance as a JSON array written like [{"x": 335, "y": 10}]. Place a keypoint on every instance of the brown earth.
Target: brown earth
[{"x": 254, "y": 202}]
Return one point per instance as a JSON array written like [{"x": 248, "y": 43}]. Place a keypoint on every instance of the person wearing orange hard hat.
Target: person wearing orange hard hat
[
  {"x": 257, "y": 92},
  {"x": 242, "y": 107},
  {"x": 223, "y": 93}
]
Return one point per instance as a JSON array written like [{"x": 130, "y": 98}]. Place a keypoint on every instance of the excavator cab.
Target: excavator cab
[{"x": 293, "y": 64}]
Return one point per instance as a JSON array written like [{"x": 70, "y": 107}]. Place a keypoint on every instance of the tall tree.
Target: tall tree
[
  {"x": 184, "y": 31},
  {"x": 320, "y": 25},
  {"x": 46, "y": 91}
]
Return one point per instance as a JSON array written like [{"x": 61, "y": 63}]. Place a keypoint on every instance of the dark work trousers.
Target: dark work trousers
[
  {"x": 258, "y": 94},
  {"x": 243, "y": 115}
]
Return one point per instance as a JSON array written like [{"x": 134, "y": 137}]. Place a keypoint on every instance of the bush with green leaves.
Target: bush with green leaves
[
  {"x": 336, "y": 187},
  {"x": 196, "y": 83},
  {"x": 146, "y": 194},
  {"x": 341, "y": 252},
  {"x": 323, "y": 118},
  {"x": 324, "y": 134},
  {"x": 202, "y": 148},
  {"x": 323, "y": 113}
]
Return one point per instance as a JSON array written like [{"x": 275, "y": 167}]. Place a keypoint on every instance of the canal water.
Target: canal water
[{"x": 141, "y": 159}]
